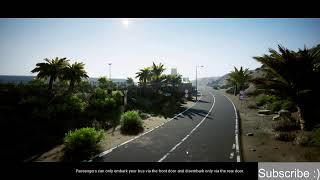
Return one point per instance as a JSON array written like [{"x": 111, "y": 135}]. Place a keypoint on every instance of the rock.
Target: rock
[
  {"x": 264, "y": 111},
  {"x": 249, "y": 134},
  {"x": 284, "y": 113},
  {"x": 276, "y": 118}
]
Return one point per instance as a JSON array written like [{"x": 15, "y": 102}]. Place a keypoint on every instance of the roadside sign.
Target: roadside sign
[
  {"x": 186, "y": 91},
  {"x": 242, "y": 95},
  {"x": 186, "y": 95}
]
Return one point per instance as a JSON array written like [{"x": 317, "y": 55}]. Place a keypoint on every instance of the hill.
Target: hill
[{"x": 204, "y": 81}]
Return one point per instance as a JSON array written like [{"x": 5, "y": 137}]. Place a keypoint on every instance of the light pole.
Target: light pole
[
  {"x": 197, "y": 82},
  {"x": 109, "y": 71}
]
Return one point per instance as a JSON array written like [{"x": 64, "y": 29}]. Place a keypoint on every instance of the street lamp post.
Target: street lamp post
[{"x": 197, "y": 82}]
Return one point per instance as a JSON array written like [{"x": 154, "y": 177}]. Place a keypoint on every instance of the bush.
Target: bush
[
  {"x": 81, "y": 143},
  {"x": 252, "y": 106},
  {"x": 315, "y": 137},
  {"x": 288, "y": 105},
  {"x": 276, "y": 106},
  {"x": 264, "y": 99},
  {"x": 230, "y": 90},
  {"x": 255, "y": 92},
  {"x": 131, "y": 123},
  {"x": 285, "y": 136},
  {"x": 285, "y": 125},
  {"x": 302, "y": 139}
]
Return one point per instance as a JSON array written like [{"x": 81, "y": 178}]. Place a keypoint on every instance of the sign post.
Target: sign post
[
  {"x": 242, "y": 97},
  {"x": 186, "y": 93}
]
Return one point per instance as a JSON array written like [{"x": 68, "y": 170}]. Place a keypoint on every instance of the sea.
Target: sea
[{"x": 25, "y": 79}]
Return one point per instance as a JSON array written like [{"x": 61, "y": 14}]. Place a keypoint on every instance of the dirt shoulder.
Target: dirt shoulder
[
  {"x": 262, "y": 146},
  {"x": 112, "y": 138}
]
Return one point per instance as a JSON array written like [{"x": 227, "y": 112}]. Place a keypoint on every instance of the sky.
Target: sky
[{"x": 132, "y": 44}]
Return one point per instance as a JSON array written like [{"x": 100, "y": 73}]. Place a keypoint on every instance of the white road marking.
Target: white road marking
[
  {"x": 236, "y": 130},
  {"x": 171, "y": 150},
  {"x": 233, "y": 146},
  {"x": 111, "y": 149}
]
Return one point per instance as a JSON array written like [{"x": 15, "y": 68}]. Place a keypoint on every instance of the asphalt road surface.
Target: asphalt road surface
[{"x": 203, "y": 133}]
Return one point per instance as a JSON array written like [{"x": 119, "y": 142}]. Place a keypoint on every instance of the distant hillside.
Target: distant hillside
[
  {"x": 204, "y": 81},
  {"x": 221, "y": 81}
]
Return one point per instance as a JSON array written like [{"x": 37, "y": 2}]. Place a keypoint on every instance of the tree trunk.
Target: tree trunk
[
  {"x": 50, "y": 83},
  {"x": 71, "y": 86},
  {"x": 301, "y": 120}
]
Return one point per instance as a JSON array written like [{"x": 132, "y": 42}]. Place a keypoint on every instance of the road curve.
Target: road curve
[{"x": 205, "y": 132}]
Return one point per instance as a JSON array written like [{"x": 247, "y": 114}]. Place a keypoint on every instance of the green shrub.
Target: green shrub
[
  {"x": 255, "y": 92},
  {"x": 81, "y": 143},
  {"x": 285, "y": 125},
  {"x": 315, "y": 137},
  {"x": 302, "y": 139},
  {"x": 230, "y": 90},
  {"x": 264, "y": 99},
  {"x": 252, "y": 106},
  {"x": 288, "y": 105},
  {"x": 285, "y": 136},
  {"x": 131, "y": 123},
  {"x": 275, "y": 106}
]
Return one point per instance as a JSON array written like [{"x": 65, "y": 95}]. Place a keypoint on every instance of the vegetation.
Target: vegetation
[
  {"x": 285, "y": 125},
  {"x": 238, "y": 79},
  {"x": 130, "y": 82},
  {"x": 252, "y": 106},
  {"x": 81, "y": 143},
  {"x": 61, "y": 100},
  {"x": 285, "y": 136},
  {"x": 107, "y": 84},
  {"x": 293, "y": 76},
  {"x": 264, "y": 99},
  {"x": 51, "y": 68},
  {"x": 144, "y": 76},
  {"x": 131, "y": 123},
  {"x": 156, "y": 90},
  {"x": 315, "y": 137},
  {"x": 74, "y": 73},
  {"x": 105, "y": 107}
]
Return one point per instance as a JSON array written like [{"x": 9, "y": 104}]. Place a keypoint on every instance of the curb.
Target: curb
[{"x": 236, "y": 131}]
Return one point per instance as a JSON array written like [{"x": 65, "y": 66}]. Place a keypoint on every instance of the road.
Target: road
[{"x": 205, "y": 132}]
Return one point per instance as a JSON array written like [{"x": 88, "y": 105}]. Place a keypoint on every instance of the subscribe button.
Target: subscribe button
[{"x": 310, "y": 171}]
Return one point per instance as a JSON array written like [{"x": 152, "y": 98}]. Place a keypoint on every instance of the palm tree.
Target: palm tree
[
  {"x": 144, "y": 76},
  {"x": 129, "y": 81},
  {"x": 292, "y": 75},
  {"x": 51, "y": 69},
  {"x": 173, "y": 79},
  {"x": 74, "y": 73},
  {"x": 238, "y": 78},
  {"x": 156, "y": 71}
]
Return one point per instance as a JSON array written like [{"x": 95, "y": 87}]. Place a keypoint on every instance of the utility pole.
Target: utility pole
[{"x": 197, "y": 82}]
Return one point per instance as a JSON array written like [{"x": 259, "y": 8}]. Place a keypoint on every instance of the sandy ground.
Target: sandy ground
[
  {"x": 262, "y": 146},
  {"x": 112, "y": 139}
]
